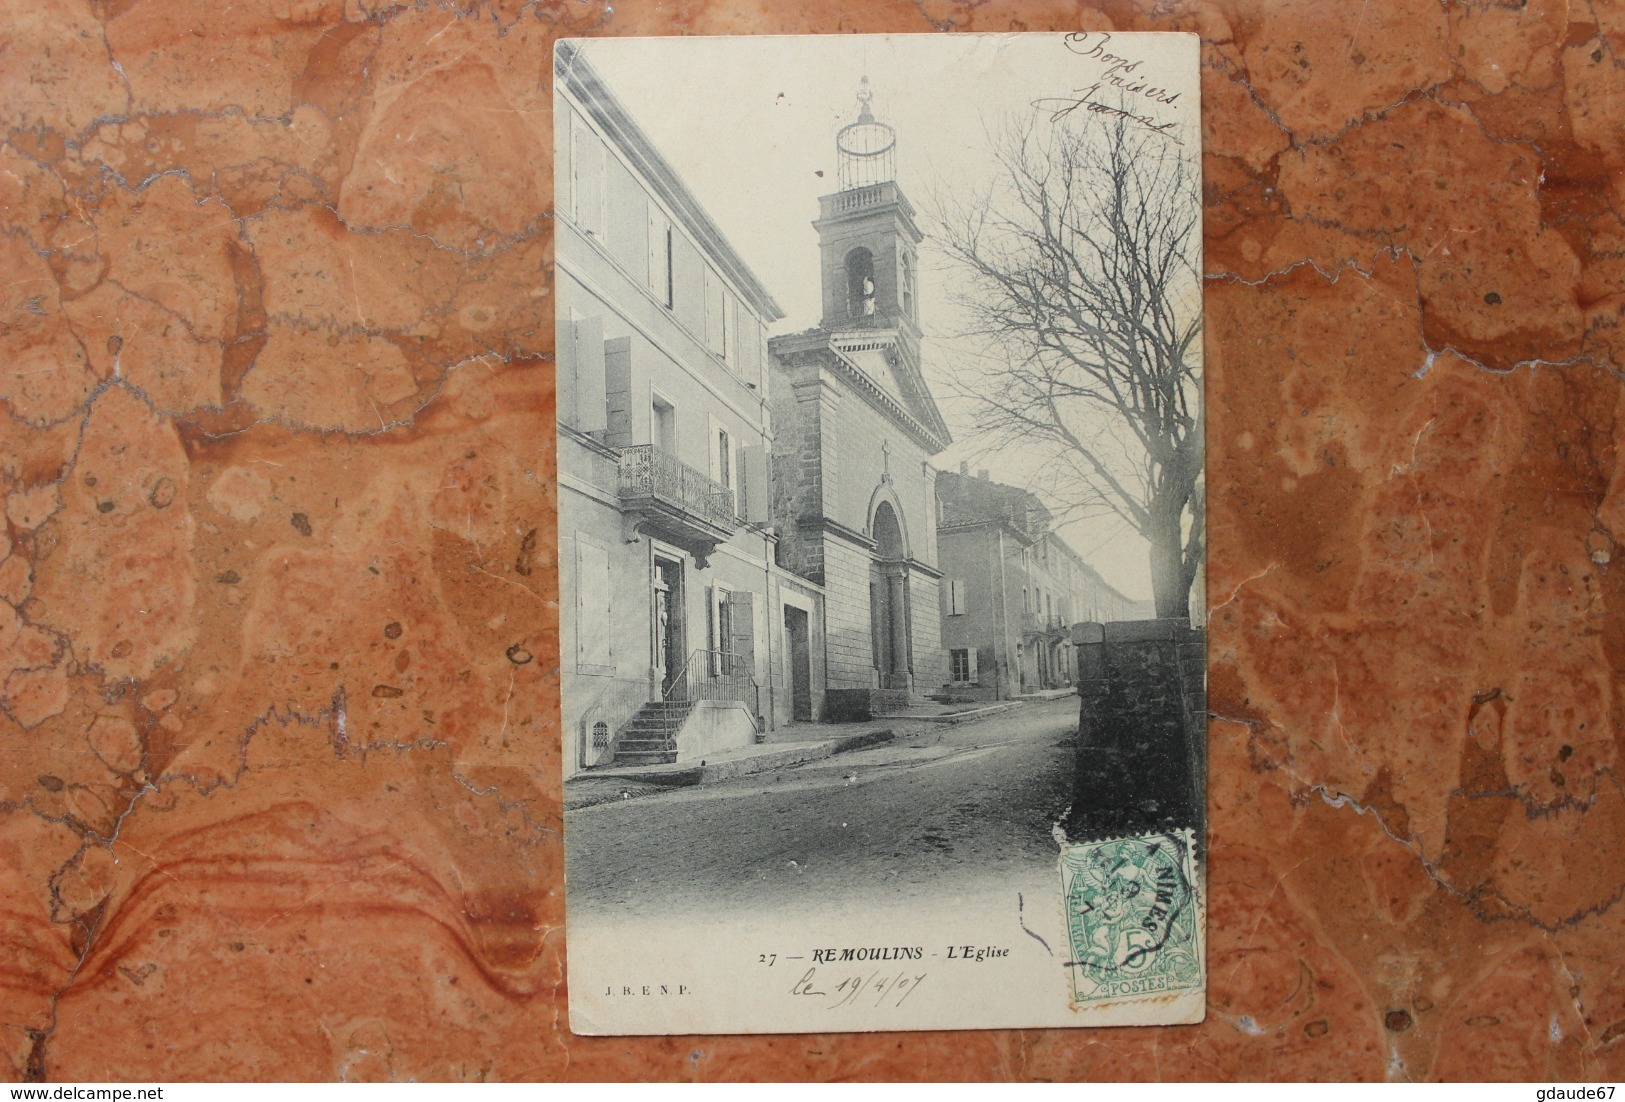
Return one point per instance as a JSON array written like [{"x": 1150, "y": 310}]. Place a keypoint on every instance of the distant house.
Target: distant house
[
  {"x": 1011, "y": 590},
  {"x": 855, "y": 428},
  {"x": 680, "y": 633}
]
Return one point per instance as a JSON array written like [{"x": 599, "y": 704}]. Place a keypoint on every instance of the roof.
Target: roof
[
  {"x": 968, "y": 501},
  {"x": 873, "y": 366},
  {"x": 879, "y": 353},
  {"x": 572, "y": 71}
]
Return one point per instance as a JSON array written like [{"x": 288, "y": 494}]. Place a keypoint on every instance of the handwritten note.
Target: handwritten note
[{"x": 1118, "y": 77}]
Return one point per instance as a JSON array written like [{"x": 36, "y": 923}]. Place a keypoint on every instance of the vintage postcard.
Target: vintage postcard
[{"x": 881, "y": 533}]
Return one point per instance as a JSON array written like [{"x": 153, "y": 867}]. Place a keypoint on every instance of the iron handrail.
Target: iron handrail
[
  {"x": 646, "y": 471},
  {"x": 717, "y": 675}
]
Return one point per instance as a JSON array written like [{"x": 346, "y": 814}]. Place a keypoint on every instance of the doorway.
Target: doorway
[
  {"x": 798, "y": 652},
  {"x": 666, "y": 651}
]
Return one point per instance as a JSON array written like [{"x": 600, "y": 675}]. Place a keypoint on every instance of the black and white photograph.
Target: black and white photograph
[{"x": 881, "y": 531}]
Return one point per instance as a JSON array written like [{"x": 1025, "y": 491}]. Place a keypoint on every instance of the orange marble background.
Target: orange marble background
[{"x": 279, "y": 790}]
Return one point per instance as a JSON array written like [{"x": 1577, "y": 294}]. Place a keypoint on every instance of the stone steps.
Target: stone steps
[
  {"x": 638, "y": 757},
  {"x": 650, "y": 738}
]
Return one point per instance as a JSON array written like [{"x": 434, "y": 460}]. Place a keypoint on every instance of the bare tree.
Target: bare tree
[{"x": 1084, "y": 281}]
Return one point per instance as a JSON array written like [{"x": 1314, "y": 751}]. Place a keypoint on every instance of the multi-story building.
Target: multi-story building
[
  {"x": 1011, "y": 590},
  {"x": 856, "y": 428},
  {"x": 680, "y": 634}
]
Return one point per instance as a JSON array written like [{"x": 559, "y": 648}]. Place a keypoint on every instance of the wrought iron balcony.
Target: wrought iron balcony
[{"x": 675, "y": 501}]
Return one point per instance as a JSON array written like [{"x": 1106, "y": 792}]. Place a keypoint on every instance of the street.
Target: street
[{"x": 937, "y": 813}]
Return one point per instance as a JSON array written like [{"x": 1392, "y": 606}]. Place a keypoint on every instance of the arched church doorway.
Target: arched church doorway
[{"x": 889, "y": 600}]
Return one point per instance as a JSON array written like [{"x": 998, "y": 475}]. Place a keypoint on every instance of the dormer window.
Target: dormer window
[{"x": 860, "y": 282}]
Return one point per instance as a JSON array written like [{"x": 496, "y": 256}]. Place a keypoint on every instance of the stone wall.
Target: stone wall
[
  {"x": 849, "y": 637},
  {"x": 929, "y": 656},
  {"x": 1142, "y": 724}
]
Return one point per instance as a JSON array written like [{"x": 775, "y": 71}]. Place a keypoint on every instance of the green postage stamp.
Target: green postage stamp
[{"x": 1133, "y": 917}]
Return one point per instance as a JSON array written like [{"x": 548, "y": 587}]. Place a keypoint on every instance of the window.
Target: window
[
  {"x": 956, "y": 597},
  {"x": 720, "y": 628},
  {"x": 663, "y": 431},
  {"x": 959, "y": 661},
  {"x": 722, "y": 462},
  {"x": 1026, "y": 600},
  {"x": 860, "y": 283},
  {"x": 908, "y": 285}
]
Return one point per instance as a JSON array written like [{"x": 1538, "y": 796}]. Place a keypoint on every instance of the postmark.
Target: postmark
[{"x": 1133, "y": 918}]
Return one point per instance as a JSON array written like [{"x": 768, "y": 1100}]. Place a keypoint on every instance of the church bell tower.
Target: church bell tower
[{"x": 868, "y": 242}]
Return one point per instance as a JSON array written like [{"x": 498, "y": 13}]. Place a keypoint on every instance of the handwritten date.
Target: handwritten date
[{"x": 850, "y": 990}]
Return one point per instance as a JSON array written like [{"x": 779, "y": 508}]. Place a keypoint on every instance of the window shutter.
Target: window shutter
[
  {"x": 730, "y": 338},
  {"x": 659, "y": 269},
  {"x": 615, "y": 409},
  {"x": 688, "y": 284},
  {"x": 588, "y": 414},
  {"x": 588, "y": 192},
  {"x": 628, "y": 220},
  {"x": 564, "y": 124},
  {"x": 564, "y": 371},
  {"x": 715, "y": 307},
  {"x": 742, "y": 626},
  {"x": 971, "y": 654},
  {"x": 711, "y": 628}
]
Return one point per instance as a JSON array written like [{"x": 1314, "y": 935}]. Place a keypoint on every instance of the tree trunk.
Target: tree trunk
[{"x": 1168, "y": 585}]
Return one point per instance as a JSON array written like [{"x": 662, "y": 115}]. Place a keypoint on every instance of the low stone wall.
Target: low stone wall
[
  {"x": 858, "y": 705},
  {"x": 714, "y": 726},
  {"x": 1142, "y": 728}
]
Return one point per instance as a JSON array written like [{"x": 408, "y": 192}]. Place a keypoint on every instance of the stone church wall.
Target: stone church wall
[{"x": 849, "y": 635}]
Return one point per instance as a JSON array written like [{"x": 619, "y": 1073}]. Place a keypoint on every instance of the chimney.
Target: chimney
[
  {"x": 964, "y": 466},
  {"x": 982, "y": 474}
]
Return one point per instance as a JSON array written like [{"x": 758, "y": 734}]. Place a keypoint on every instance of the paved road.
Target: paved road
[{"x": 948, "y": 810}]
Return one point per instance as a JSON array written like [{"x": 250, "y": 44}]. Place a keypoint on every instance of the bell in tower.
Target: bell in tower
[{"x": 866, "y": 232}]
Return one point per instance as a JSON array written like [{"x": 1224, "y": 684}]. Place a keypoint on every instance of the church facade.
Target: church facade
[{"x": 855, "y": 427}]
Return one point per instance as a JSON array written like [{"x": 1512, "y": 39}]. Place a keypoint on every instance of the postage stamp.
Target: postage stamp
[{"x": 1133, "y": 918}]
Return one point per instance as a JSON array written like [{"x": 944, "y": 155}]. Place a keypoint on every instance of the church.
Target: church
[{"x": 855, "y": 427}]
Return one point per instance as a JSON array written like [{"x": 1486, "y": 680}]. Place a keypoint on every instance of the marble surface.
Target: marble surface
[{"x": 278, "y": 776}]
